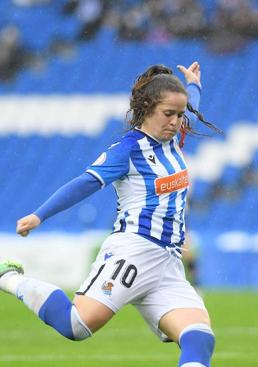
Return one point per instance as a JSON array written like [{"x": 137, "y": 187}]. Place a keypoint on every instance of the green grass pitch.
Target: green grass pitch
[{"x": 126, "y": 341}]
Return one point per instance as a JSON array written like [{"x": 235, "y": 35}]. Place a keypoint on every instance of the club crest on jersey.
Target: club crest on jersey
[
  {"x": 175, "y": 182},
  {"x": 107, "y": 288},
  {"x": 100, "y": 160}
]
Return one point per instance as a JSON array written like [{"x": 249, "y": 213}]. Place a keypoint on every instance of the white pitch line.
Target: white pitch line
[
  {"x": 117, "y": 357},
  {"x": 110, "y": 357},
  {"x": 246, "y": 331},
  {"x": 236, "y": 331},
  {"x": 236, "y": 355}
]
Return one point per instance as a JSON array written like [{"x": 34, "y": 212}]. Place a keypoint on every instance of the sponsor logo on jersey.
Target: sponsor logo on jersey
[
  {"x": 107, "y": 288},
  {"x": 175, "y": 182},
  {"x": 101, "y": 159}
]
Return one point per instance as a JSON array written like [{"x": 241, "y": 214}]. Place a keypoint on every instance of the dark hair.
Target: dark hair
[{"x": 147, "y": 92}]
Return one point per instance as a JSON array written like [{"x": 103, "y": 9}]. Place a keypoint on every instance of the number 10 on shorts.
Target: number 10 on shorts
[{"x": 128, "y": 275}]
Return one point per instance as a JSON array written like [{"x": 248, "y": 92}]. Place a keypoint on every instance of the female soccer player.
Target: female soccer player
[{"x": 140, "y": 262}]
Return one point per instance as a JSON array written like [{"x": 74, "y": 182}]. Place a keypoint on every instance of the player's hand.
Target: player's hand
[
  {"x": 26, "y": 224},
  {"x": 191, "y": 74}
]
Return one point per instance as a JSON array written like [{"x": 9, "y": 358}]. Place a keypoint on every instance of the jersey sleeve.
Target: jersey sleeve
[
  {"x": 113, "y": 164},
  {"x": 68, "y": 195},
  {"x": 194, "y": 93}
]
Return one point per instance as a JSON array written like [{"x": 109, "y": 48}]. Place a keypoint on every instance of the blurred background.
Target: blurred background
[{"x": 66, "y": 69}]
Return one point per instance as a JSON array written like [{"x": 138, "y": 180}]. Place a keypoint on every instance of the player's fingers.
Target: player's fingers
[
  {"x": 196, "y": 70},
  {"x": 22, "y": 226},
  {"x": 20, "y": 229},
  {"x": 24, "y": 233},
  {"x": 182, "y": 69},
  {"x": 194, "y": 66},
  {"x": 22, "y": 222},
  {"x": 26, "y": 224}
]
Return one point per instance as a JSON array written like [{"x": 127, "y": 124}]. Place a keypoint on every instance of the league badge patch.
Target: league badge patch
[{"x": 107, "y": 288}]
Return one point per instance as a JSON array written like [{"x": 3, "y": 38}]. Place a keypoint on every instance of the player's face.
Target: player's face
[{"x": 167, "y": 117}]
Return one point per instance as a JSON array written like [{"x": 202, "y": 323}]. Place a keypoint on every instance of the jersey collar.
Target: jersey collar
[{"x": 150, "y": 136}]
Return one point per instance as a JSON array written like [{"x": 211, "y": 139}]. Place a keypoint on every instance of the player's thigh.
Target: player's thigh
[
  {"x": 92, "y": 312},
  {"x": 175, "y": 321}
]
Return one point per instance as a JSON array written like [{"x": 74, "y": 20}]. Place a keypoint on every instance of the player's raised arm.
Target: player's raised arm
[{"x": 192, "y": 76}]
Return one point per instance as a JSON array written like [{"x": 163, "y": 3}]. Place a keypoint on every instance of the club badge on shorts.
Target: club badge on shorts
[{"x": 107, "y": 288}]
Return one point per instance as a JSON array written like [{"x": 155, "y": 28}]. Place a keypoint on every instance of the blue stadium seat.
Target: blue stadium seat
[
  {"x": 231, "y": 175},
  {"x": 106, "y": 65},
  {"x": 201, "y": 189}
]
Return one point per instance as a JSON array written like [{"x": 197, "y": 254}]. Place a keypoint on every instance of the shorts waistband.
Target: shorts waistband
[{"x": 163, "y": 244}]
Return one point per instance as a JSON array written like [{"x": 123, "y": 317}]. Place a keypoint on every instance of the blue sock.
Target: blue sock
[
  {"x": 197, "y": 344},
  {"x": 48, "y": 302},
  {"x": 56, "y": 312}
]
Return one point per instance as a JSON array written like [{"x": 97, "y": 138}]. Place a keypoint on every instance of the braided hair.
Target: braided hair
[{"x": 147, "y": 93}]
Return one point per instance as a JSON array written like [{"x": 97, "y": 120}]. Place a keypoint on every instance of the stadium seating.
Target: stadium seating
[{"x": 106, "y": 66}]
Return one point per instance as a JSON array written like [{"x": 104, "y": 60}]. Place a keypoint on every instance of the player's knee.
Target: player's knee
[
  {"x": 62, "y": 315},
  {"x": 197, "y": 343},
  {"x": 80, "y": 330}
]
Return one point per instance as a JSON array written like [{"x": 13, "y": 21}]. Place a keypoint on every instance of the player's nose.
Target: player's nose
[{"x": 173, "y": 121}]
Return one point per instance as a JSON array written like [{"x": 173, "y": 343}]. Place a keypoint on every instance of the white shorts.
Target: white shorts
[{"x": 132, "y": 269}]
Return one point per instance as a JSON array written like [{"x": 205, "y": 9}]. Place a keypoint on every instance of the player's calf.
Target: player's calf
[
  {"x": 47, "y": 301},
  {"x": 197, "y": 343}
]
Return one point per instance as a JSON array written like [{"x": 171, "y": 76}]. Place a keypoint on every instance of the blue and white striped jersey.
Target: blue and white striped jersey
[{"x": 151, "y": 181}]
